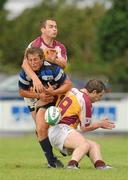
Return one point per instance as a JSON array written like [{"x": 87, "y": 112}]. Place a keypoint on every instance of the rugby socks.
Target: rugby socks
[
  {"x": 99, "y": 163},
  {"x": 73, "y": 163},
  {"x": 47, "y": 148}
]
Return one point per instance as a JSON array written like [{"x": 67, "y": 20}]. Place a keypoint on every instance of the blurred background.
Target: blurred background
[{"x": 95, "y": 35}]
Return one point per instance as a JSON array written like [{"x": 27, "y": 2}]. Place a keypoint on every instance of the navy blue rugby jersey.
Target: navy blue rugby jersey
[{"x": 49, "y": 72}]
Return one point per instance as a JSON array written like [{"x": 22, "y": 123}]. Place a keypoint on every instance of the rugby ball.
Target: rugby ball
[{"x": 52, "y": 115}]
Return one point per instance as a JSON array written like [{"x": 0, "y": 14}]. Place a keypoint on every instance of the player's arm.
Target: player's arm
[
  {"x": 36, "y": 81},
  {"x": 61, "y": 62},
  {"x": 31, "y": 94},
  {"x": 28, "y": 94},
  {"x": 25, "y": 89},
  {"x": 104, "y": 123},
  {"x": 59, "y": 59},
  {"x": 66, "y": 86},
  {"x": 51, "y": 56}
]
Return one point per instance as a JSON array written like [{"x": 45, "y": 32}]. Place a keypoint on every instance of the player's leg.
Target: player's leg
[
  {"x": 33, "y": 114},
  {"x": 42, "y": 132},
  {"x": 41, "y": 125},
  {"x": 30, "y": 102},
  {"x": 64, "y": 137},
  {"x": 77, "y": 142},
  {"x": 95, "y": 156}
]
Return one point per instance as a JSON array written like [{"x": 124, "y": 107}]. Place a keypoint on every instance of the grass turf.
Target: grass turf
[{"x": 21, "y": 158}]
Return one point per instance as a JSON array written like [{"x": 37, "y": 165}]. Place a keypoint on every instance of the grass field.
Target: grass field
[{"x": 21, "y": 159}]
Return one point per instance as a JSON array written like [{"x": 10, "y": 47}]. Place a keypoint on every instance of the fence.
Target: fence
[{"x": 14, "y": 115}]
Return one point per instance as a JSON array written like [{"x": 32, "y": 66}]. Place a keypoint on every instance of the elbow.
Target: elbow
[
  {"x": 64, "y": 65},
  {"x": 21, "y": 93},
  {"x": 24, "y": 63},
  {"x": 70, "y": 84}
]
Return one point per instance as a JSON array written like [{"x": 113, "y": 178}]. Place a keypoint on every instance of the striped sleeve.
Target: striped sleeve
[
  {"x": 24, "y": 82},
  {"x": 59, "y": 75}
]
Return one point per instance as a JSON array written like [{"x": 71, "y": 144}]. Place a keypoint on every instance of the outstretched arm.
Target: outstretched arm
[{"x": 104, "y": 123}]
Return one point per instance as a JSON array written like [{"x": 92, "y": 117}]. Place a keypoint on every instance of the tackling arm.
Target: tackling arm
[
  {"x": 28, "y": 94},
  {"x": 31, "y": 94},
  {"x": 61, "y": 62},
  {"x": 66, "y": 86},
  {"x": 36, "y": 82},
  {"x": 51, "y": 56}
]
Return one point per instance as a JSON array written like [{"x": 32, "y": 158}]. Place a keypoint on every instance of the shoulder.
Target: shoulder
[
  {"x": 88, "y": 104},
  {"x": 57, "y": 69},
  {"x": 23, "y": 75},
  {"x": 53, "y": 67},
  {"x": 36, "y": 43},
  {"x": 59, "y": 44},
  {"x": 76, "y": 92}
]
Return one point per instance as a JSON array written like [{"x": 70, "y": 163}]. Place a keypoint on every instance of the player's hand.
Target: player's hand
[
  {"x": 37, "y": 85},
  {"x": 106, "y": 124},
  {"x": 49, "y": 90},
  {"x": 45, "y": 97},
  {"x": 51, "y": 55}
]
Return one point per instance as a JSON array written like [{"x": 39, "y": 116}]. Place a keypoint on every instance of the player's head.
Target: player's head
[
  {"x": 49, "y": 28},
  {"x": 95, "y": 89},
  {"x": 35, "y": 57}
]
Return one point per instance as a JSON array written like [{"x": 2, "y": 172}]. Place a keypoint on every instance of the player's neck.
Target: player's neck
[
  {"x": 48, "y": 41},
  {"x": 84, "y": 90}
]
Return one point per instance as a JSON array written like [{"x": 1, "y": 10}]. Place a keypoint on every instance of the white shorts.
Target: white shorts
[
  {"x": 57, "y": 135},
  {"x": 31, "y": 102}
]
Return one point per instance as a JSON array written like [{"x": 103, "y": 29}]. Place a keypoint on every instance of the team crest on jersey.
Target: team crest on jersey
[{"x": 47, "y": 78}]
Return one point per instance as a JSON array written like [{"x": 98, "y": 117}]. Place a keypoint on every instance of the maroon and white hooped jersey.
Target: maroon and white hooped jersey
[
  {"x": 57, "y": 46},
  {"x": 76, "y": 108}
]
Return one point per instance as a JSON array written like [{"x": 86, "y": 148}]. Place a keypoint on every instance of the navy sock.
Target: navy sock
[{"x": 47, "y": 148}]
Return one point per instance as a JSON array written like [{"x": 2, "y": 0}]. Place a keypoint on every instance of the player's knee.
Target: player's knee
[
  {"x": 85, "y": 146},
  {"x": 95, "y": 145}
]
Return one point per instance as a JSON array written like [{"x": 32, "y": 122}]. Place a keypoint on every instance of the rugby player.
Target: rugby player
[
  {"x": 76, "y": 109},
  {"x": 54, "y": 51},
  {"x": 54, "y": 81}
]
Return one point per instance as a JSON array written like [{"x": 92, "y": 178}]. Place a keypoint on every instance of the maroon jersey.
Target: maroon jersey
[{"x": 57, "y": 46}]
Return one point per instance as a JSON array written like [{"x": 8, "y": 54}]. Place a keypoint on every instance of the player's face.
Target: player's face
[
  {"x": 34, "y": 61},
  {"x": 96, "y": 96},
  {"x": 50, "y": 29}
]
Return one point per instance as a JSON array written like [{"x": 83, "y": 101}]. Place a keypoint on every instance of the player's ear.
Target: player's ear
[
  {"x": 94, "y": 91},
  {"x": 42, "y": 30}
]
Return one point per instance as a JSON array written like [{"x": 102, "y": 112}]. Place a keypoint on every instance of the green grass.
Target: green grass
[{"x": 21, "y": 159}]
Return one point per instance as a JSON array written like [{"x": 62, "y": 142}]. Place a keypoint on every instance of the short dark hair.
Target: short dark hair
[
  {"x": 43, "y": 22},
  {"x": 34, "y": 50},
  {"x": 94, "y": 84}
]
